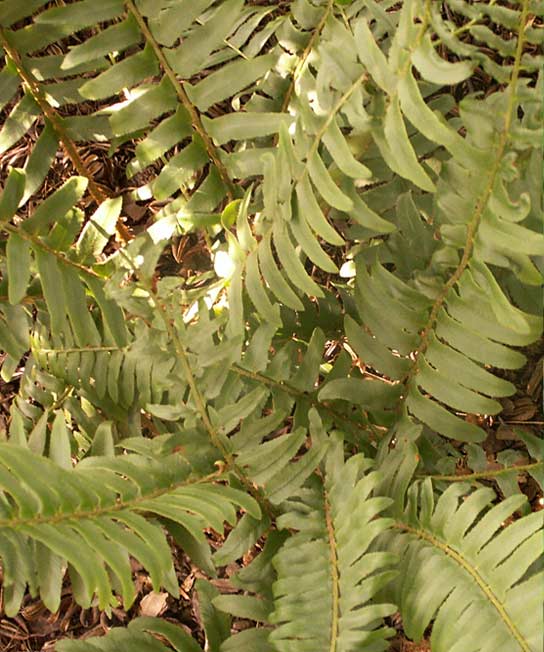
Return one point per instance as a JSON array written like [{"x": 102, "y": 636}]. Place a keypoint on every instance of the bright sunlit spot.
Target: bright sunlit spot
[
  {"x": 223, "y": 264},
  {"x": 163, "y": 229}
]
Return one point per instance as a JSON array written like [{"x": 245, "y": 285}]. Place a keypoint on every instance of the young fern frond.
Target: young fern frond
[{"x": 326, "y": 567}]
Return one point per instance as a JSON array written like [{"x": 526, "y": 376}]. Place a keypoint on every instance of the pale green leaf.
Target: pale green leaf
[
  {"x": 291, "y": 262},
  {"x": 99, "y": 228},
  {"x": 278, "y": 285},
  {"x": 59, "y": 443},
  {"x": 228, "y": 81},
  {"x": 56, "y": 205},
  {"x": 327, "y": 188},
  {"x": 242, "y": 126},
  {"x": 403, "y": 157},
  {"x": 18, "y": 122},
  {"x": 437, "y": 70},
  {"x": 373, "y": 58},
  {"x": 113, "y": 39},
  {"x": 12, "y": 194},
  {"x": 18, "y": 260},
  {"x": 125, "y": 74}
]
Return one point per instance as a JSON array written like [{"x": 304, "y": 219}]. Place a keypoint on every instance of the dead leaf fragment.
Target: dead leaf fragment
[
  {"x": 153, "y": 604},
  {"x": 535, "y": 381},
  {"x": 521, "y": 409},
  {"x": 510, "y": 433}
]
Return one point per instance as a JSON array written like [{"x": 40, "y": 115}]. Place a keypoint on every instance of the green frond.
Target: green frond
[
  {"x": 143, "y": 633},
  {"x": 476, "y": 572},
  {"x": 91, "y": 518},
  {"x": 477, "y": 564},
  {"x": 311, "y": 242},
  {"x": 326, "y": 568}
]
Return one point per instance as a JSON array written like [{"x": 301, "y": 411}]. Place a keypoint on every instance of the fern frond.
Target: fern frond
[
  {"x": 476, "y": 562},
  {"x": 92, "y": 518},
  {"x": 459, "y": 317},
  {"x": 327, "y": 569},
  {"x": 143, "y": 633},
  {"x": 137, "y": 43},
  {"x": 45, "y": 99}
]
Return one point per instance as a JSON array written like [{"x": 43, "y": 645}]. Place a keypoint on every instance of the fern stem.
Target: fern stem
[
  {"x": 280, "y": 384},
  {"x": 479, "y": 208},
  {"x": 335, "y": 577},
  {"x": 97, "y": 192},
  {"x": 59, "y": 401},
  {"x": 202, "y": 410},
  {"x": 39, "y": 519},
  {"x": 302, "y": 61},
  {"x": 184, "y": 99},
  {"x": 330, "y": 117},
  {"x": 485, "y": 474},
  {"x": 473, "y": 572},
  {"x": 293, "y": 391},
  {"x": 39, "y": 243},
  {"x": 83, "y": 349}
]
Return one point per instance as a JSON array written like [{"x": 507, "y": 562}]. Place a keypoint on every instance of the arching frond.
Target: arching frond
[
  {"x": 477, "y": 565},
  {"x": 91, "y": 518},
  {"x": 326, "y": 568},
  {"x": 153, "y": 634}
]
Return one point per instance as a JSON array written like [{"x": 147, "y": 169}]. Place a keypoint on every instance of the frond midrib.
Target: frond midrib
[
  {"x": 305, "y": 54},
  {"x": 481, "y": 203},
  {"x": 183, "y": 98},
  {"x": 335, "y": 575},
  {"x": 473, "y": 572},
  {"x": 492, "y": 473},
  {"x": 120, "y": 505}
]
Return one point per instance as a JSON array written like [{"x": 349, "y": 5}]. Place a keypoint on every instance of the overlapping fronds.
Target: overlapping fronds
[
  {"x": 92, "y": 517},
  {"x": 362, "y": 181},
  {"x": 451, "y": 318},
  {"x": 142, "y": 56}
]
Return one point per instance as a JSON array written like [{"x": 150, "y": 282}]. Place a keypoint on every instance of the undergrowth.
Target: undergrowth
[{"x": 361, "y": 181}]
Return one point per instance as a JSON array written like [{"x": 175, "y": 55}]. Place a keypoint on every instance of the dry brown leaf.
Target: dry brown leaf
[
  {"x": 409, "y": 646},
  {"x": 521, "y": 409},
  {"x": 507, "y": 432},
  {"x": 536, "y": 379},
  {"x": 153, "y": 604}
]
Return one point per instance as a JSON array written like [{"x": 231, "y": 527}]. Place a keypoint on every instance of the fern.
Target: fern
[
  {"x": 142, "y": 633},
  {"x": 91, "y": 517},
  {"x": 479, "y": 577},
  {"x": 363, "y": 178},
  {"x": 324, "y": 569}
]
